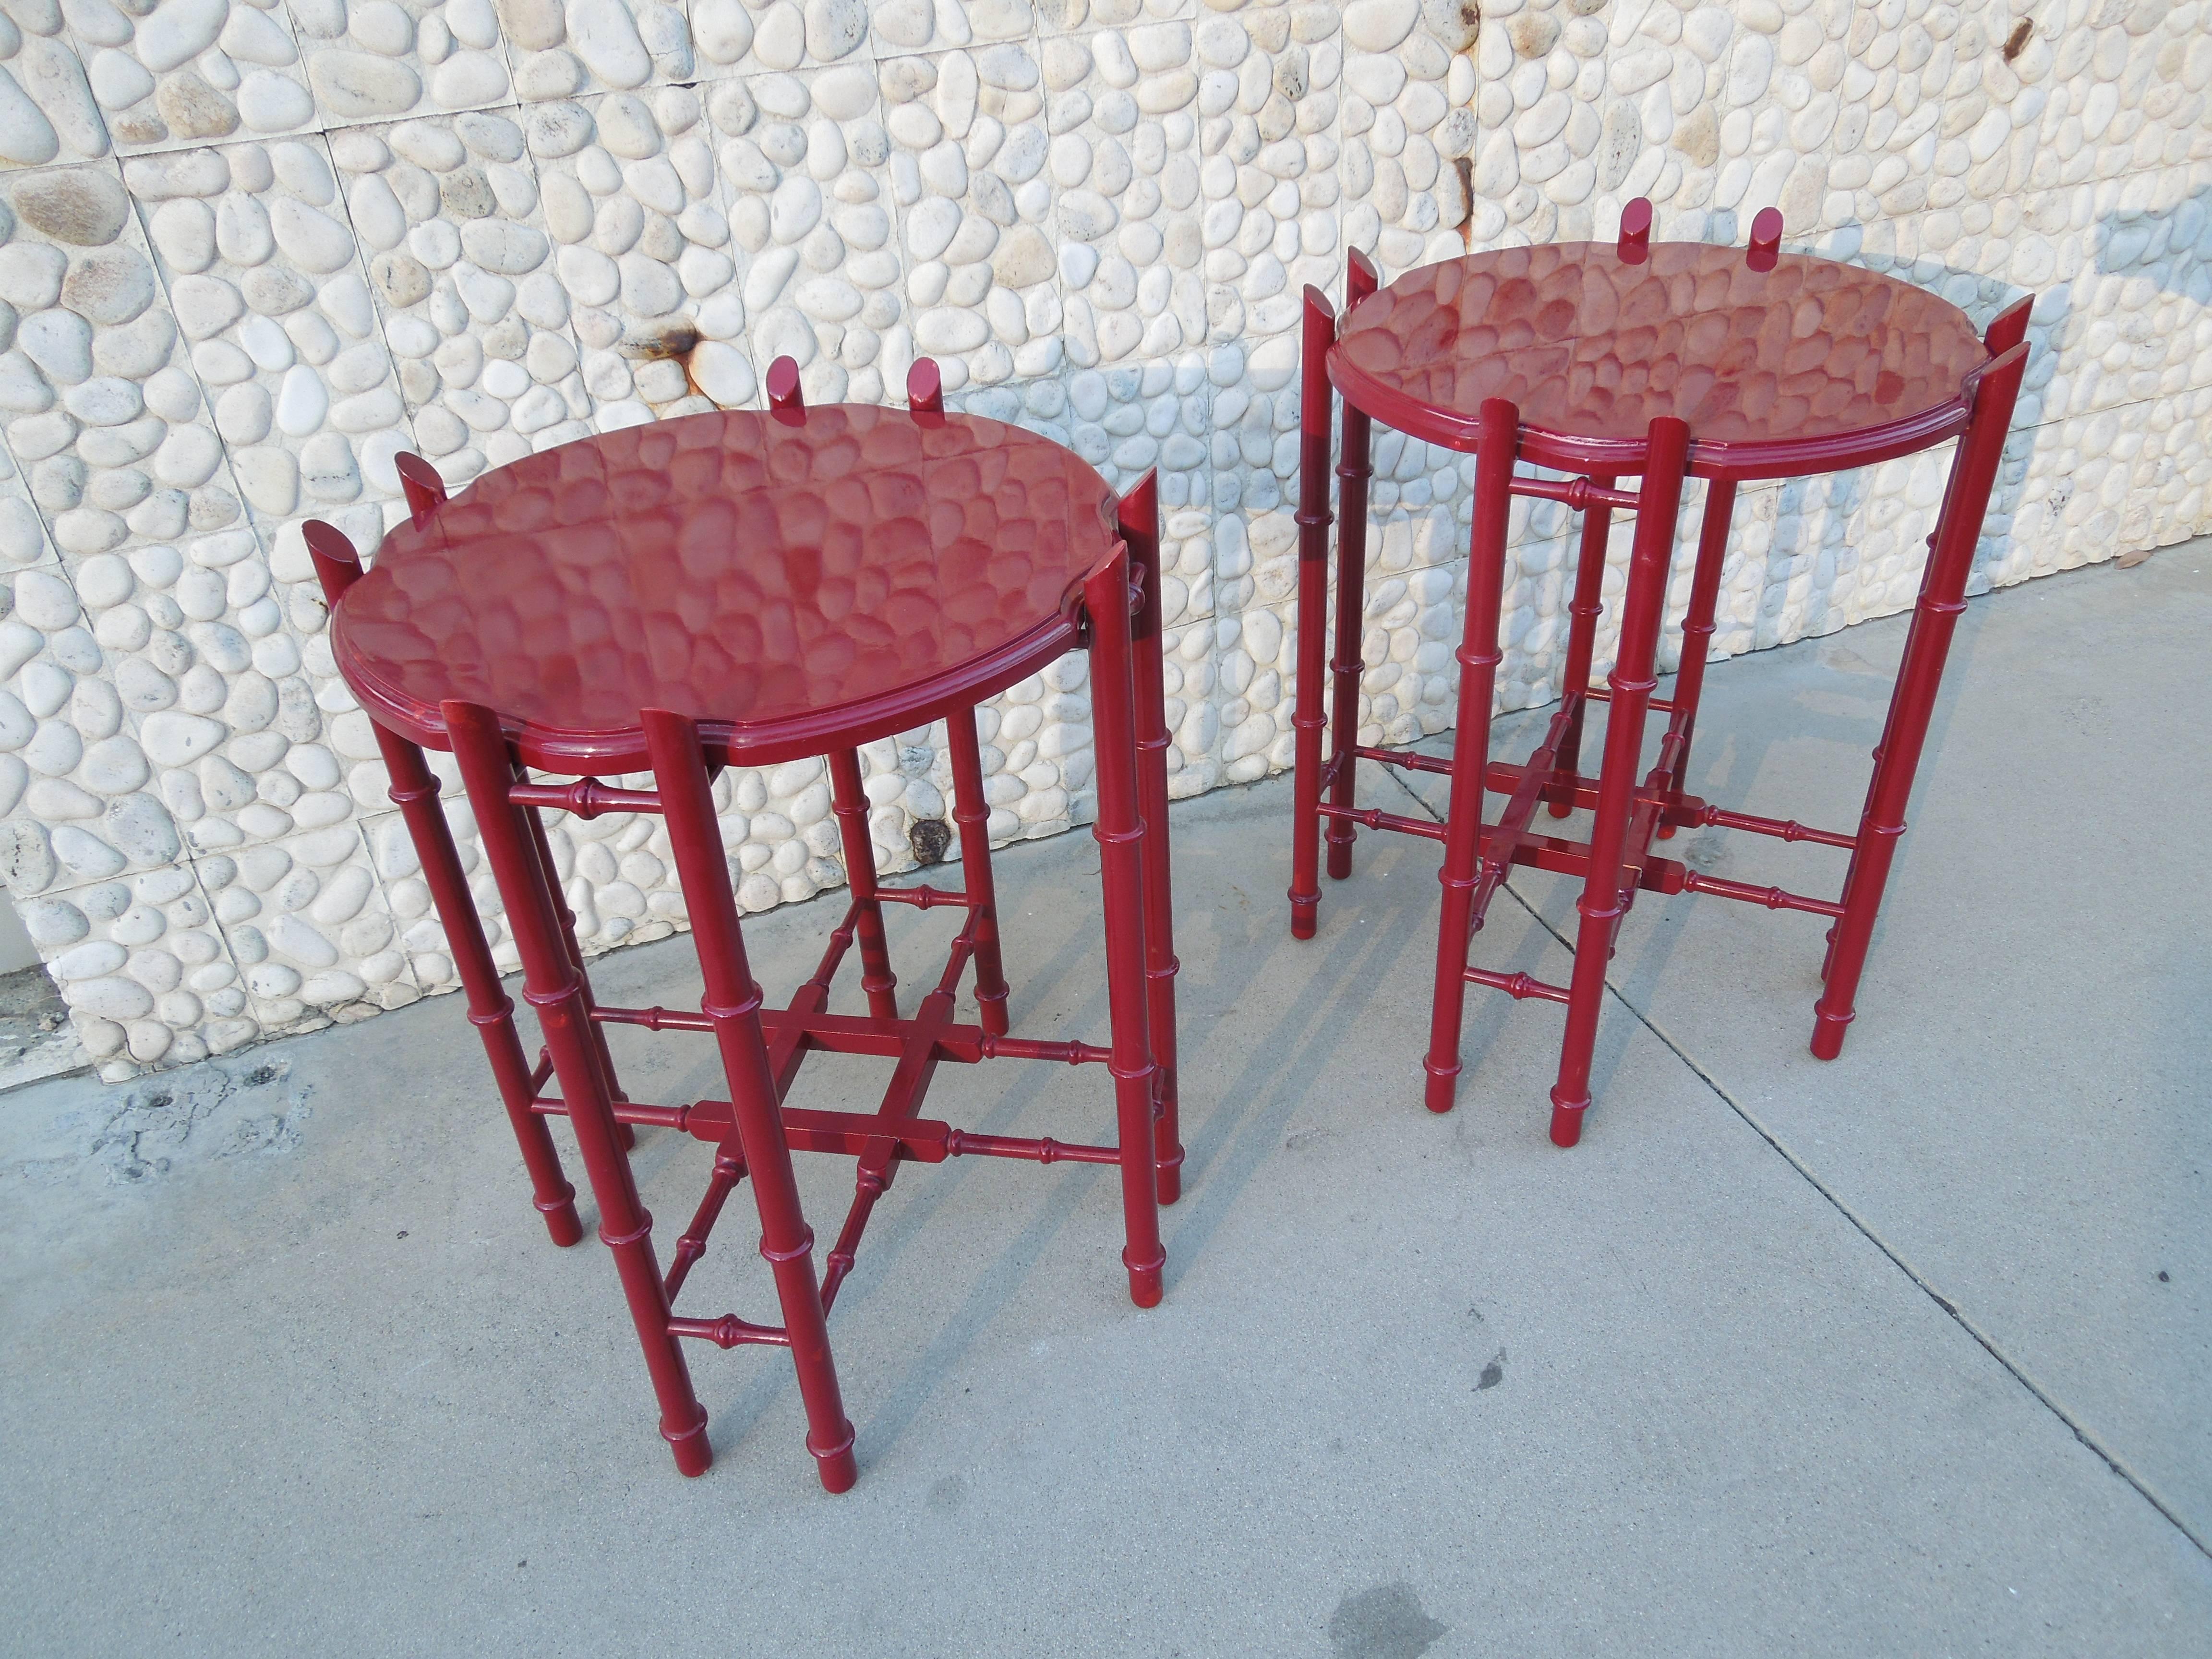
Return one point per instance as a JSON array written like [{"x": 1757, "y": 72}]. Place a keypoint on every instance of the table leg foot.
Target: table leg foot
[
  {"x": 562, "y": 1226},
  {"x": 1442, "y": 1090},
  {"x": 1167, "y": 1158},
  {"x": 1144, "y": 1286},
  {"x": 1567, "y": 1122},
  {"x": 694, "y": 1456},
  {"x": 837, "y": 1465}
]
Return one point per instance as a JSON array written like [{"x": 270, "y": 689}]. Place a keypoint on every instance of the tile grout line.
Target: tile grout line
[{"x": 2080, "y": 1429}]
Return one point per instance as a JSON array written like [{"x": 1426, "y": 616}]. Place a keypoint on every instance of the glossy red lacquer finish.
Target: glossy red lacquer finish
[
  {"x": 1805, "y": 368},
  {"x": 1661, "y": 362},
  {"x": 795, "y": 582}
]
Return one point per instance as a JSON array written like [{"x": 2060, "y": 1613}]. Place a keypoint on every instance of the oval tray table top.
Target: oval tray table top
[
  {"x": 1804, "y": 368},
  {"x": 793, "y": 580}
]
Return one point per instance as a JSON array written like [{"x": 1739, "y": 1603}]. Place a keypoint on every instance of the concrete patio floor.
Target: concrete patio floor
[{"x": 1908, "y": 1354}]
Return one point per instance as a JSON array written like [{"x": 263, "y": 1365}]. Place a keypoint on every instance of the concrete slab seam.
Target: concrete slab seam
[{"x": 2081, "y": 1431}]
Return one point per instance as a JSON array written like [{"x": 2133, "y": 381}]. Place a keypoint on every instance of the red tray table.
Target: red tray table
[
  {"x": 1664, "y": 361},
  {"x": 744, "y": 589}
]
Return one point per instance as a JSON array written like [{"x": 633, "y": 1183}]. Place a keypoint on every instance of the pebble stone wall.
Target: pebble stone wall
[{"x": 250, "y": 249}]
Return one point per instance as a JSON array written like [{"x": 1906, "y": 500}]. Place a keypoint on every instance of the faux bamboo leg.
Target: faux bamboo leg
[
  {"x": 733, "y": 1003},
  {"x": 971, "y": 816},
  {"x": 1912, "y": 704},
  {"x": 1120, "y": 831},
  {"x": 851, "y": 807},
  {"x": 1698, "y": 623},
  {"x": 414, "y": 792},
  {"x": 625, "y": 1136},
  {"x": 1583, "y": 612},
  {"x": 425, "y": 491},
  {"x": 1141, "y": 531},
  {"x": 1659, "y": 502},
  {"x": 1479, "y": 658},
  {"x": 1346, "y": 666},
  {"x": 729, "y": 1170},
  {"x": 1307, "y": 718},
  {"x": 550, "y": 983},
  {"x": 2007, "y": 330}
]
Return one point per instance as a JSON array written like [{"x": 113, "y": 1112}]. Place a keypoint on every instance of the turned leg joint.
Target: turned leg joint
[{"x": 797, "y": 1252}]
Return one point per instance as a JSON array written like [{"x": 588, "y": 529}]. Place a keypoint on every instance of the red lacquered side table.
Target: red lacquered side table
[
  {"x": 744, "y": 589},
  {"x": 1664, "y": 362}
]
